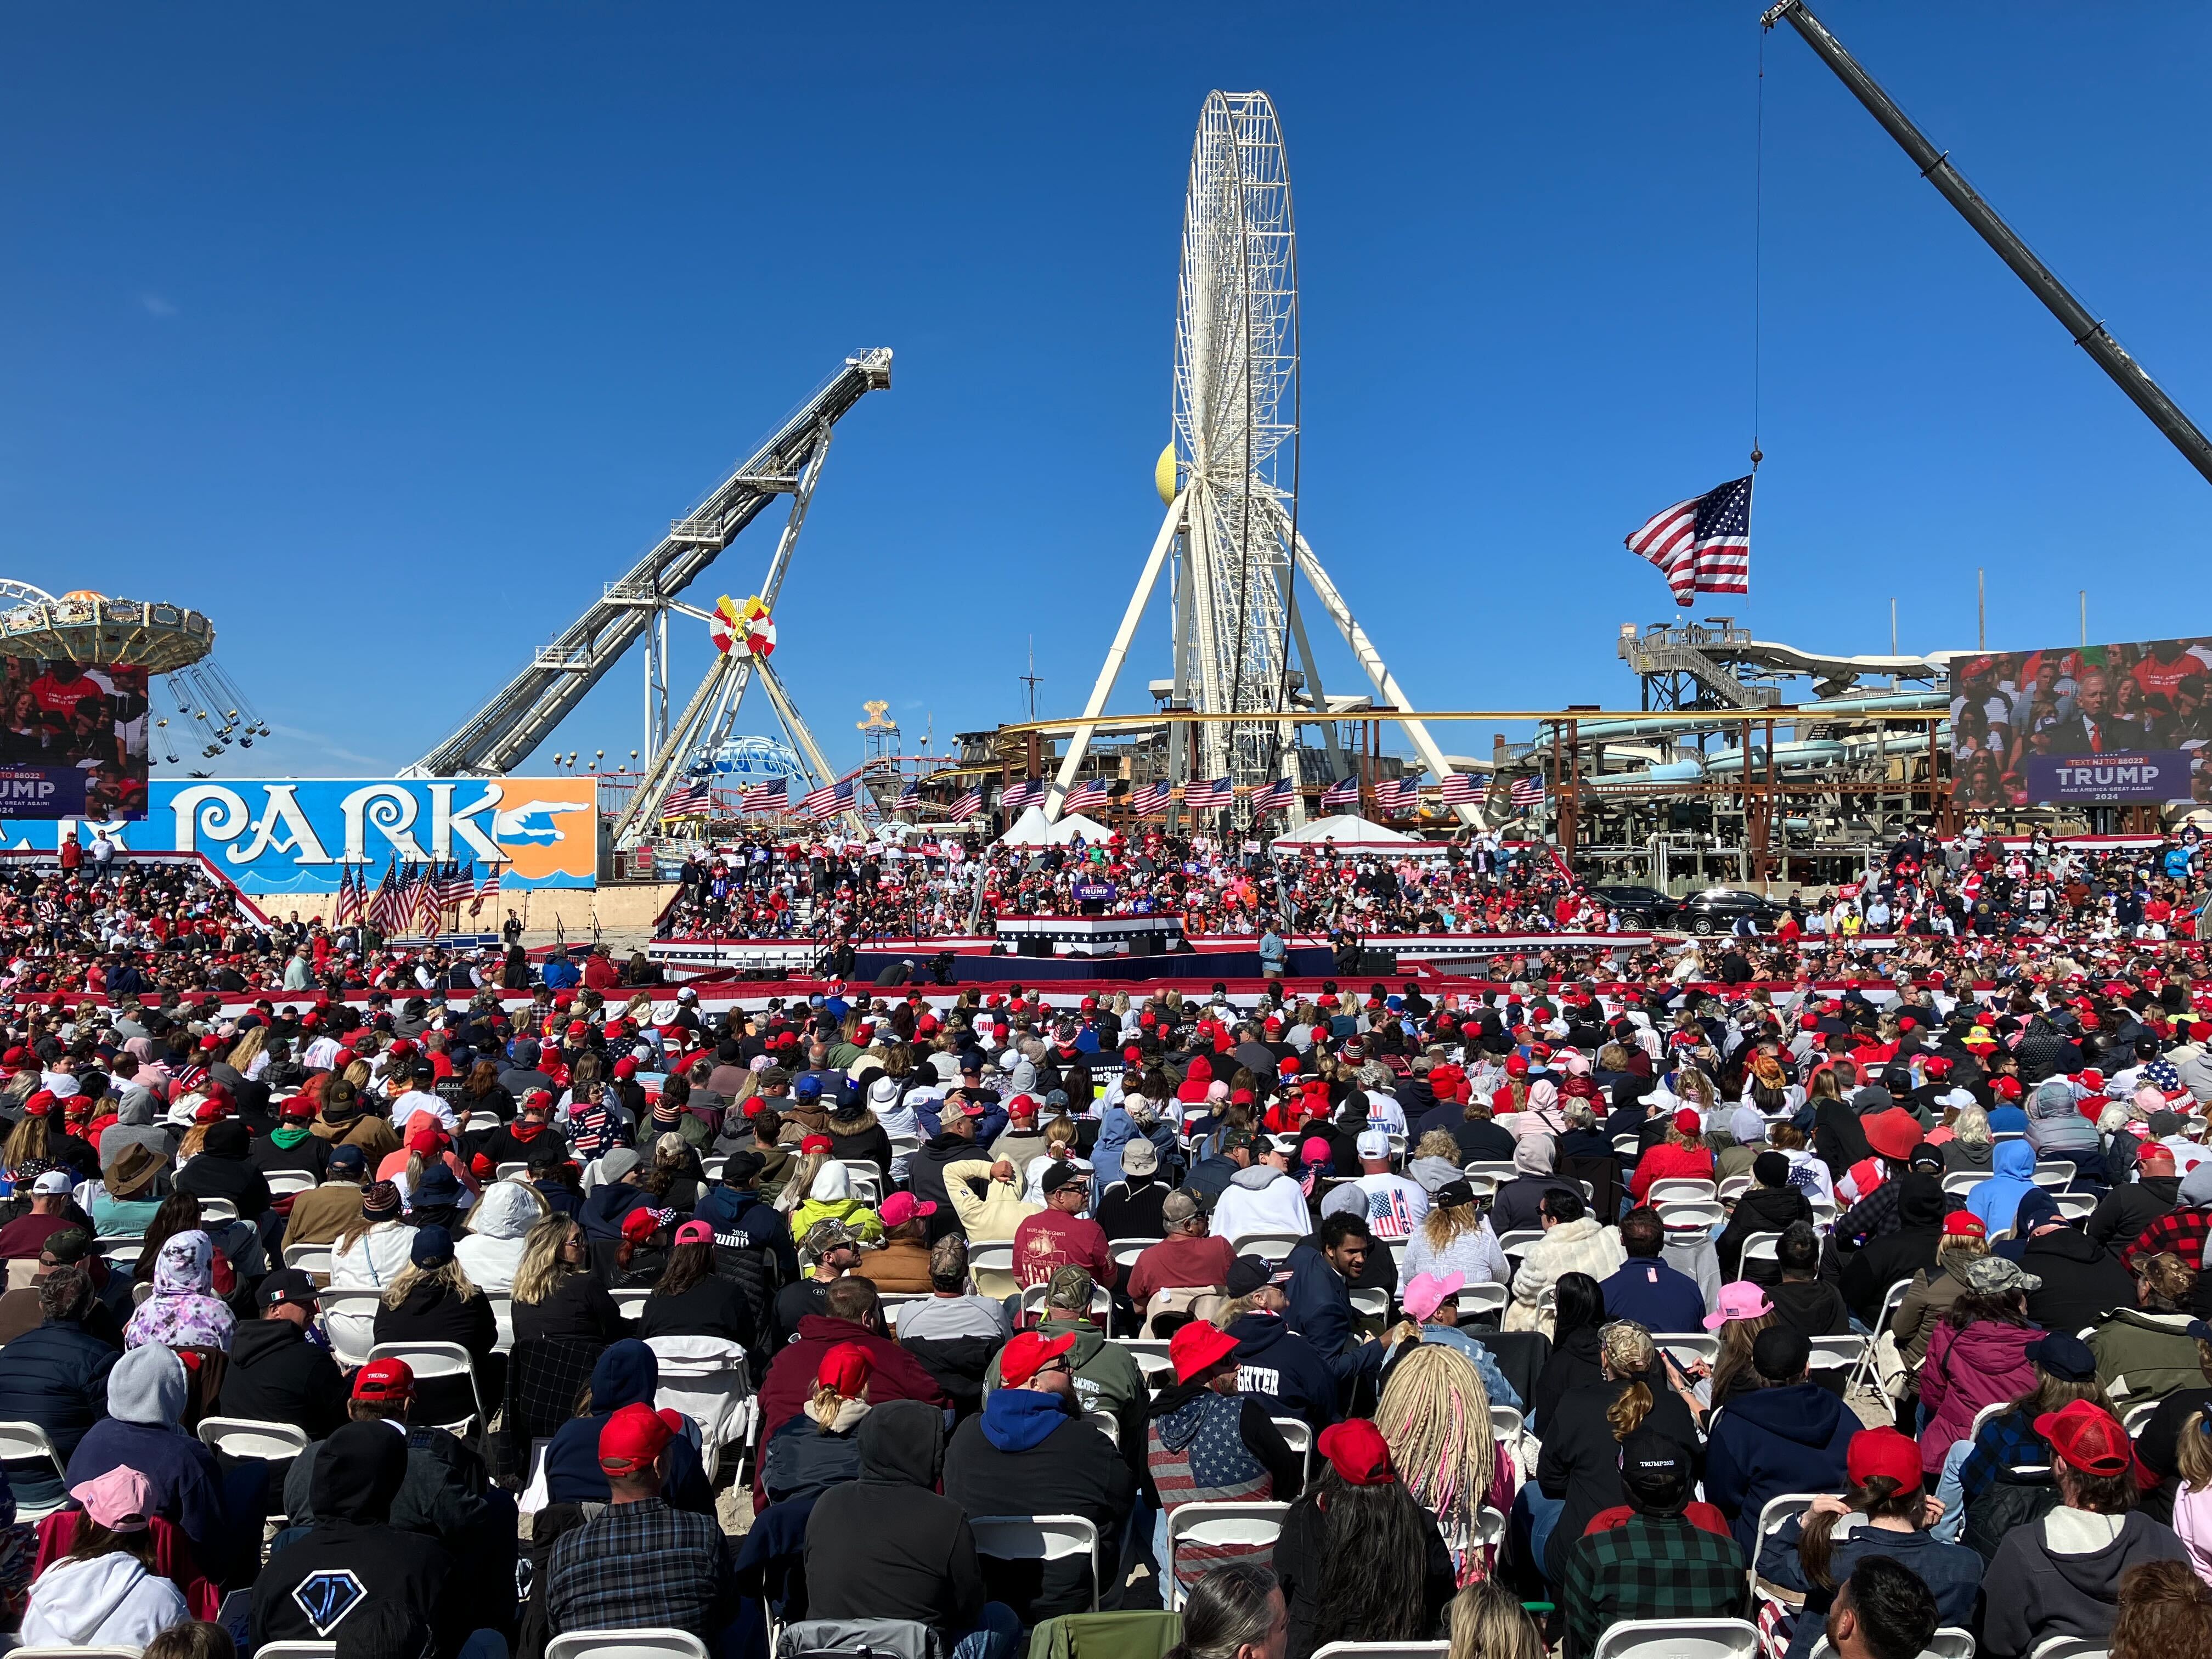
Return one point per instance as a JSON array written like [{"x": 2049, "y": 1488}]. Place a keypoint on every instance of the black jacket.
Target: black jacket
[
  {"x": 277, "y": 1375},
  {"x": 2123, "y": 1214},
  {"x": 886, "y": 1545},
  {"x": 354, "y": 1555},
  {"x": 869, "y": 1144},
  {"x": 1480, "y": 1140},
  {"x": 2082, "y": 1280},
  {"x": 1574, "y": 1364},
  {"x": 712, "y": 1307},
  {"x": 1074, "y": 1470},
  {"x": 803, "y": 1461},
  {"x": 1131, "y": 1209},
  {"x": 1581, "y": 1460},
  {"x": 430, "y": 1313},
  {"x": 1302, "y": 1552},
  {"x": 1761, "y": 1209},
  {"x": 924, "y": 1174},
  {"x": 216, "y": 1175},
  {"x": 1514, "y": 1208},
  {"x": 57, "y": 1377},
  {"x": 579, "y": 1307},
  {"x": 311, "y": 1155},
  {"x": 1813, "y": 1306},
  {"x": 1869, "y": 1273},
  {"x": 1282, "y": 1370}
]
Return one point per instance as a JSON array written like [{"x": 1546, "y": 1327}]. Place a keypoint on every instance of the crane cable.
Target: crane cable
[{"x": 1757, "y": 238}]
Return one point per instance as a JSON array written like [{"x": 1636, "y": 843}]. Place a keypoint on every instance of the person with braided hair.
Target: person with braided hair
[{"x": 1435, "y": 1415}]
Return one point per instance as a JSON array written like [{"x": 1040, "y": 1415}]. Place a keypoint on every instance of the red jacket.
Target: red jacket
[
  {"x": 1053, "y": 1239},
  {"x": 898, "y": 1375},
  {"x": 1668, "y": 1162}
]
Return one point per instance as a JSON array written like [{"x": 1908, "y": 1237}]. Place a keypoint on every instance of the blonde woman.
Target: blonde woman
[
  {"x": 1434, "y": 1415},
  {"x": 1970, "y": 1146},
  {"x": 1455, "y": 1237},
  {"x": 247, "y": 1058},
  {"x": 556, "y": 1296},
  {"x": 2192, "y": 1496},
  {"x": 1488, "y": 1622},
  {"x": 1583, "y": 1431},
  {"x": 798, "y": 1181}
]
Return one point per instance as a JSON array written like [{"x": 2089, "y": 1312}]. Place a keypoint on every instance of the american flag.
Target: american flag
[
  {"x": 1085, "y": 796},
  {"x": 1275, "y": 798},
  {"x": 828, "y": 801},
  {"x": 454, "y": 890},
  {"x": 765, "y": 797},
  {"x": 909, "y": 798},
  {"x": 1151, "y": 801},
  {"x": 428, "y": 889},
  {"x": 487, "y": 885},
  {"x": 1703, "y": 545},
  {"x": 968, "y": 806},
  {"x": 1016, "y": 796},
  {"x": 1460, "y": 789},
  {"x": 1208, "y": 794},
  {"x": 695, "y": 799},
  {"x": 348, "y": 907},
  {"x": 1529, "y": 791},
  {"x": 1397, "y": 796},
  {"x": 1344, "y": 793},
  {"x": 378, "y": 910}
]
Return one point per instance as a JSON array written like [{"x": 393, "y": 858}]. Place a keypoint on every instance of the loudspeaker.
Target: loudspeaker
[
  {"x": 1372, "y": 961},
  {"x": 1146, "y": 945},
  {"x": 1034, "y": 944}
]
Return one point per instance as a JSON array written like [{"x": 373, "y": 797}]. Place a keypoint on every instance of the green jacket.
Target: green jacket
[
  {"x": 1106, "y": 1636},
  {"x": 2142, "y": 1355}
]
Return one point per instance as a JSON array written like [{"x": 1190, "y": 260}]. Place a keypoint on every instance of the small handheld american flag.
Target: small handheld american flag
[
  {"x": 1208, "y": 794},
  {"x": 1702, "y": 546},
  {"x": 1343, "y": 792},
  {"x": 765, "y": 797},
  {"x": 1527, "y": 791}
]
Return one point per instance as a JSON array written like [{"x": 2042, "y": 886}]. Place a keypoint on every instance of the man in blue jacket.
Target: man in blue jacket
[
  {"x": 1646, "y": 1289},
  {"x": 1272, "y": 1361},
  {"x": 1788, "y": 1435},
  {"x": 1319, "y": 1296},
  {"x": 56, "y": 1376}
]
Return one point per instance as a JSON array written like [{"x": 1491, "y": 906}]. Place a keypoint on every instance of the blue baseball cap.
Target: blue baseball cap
[{"x": 808, "y": 1087}]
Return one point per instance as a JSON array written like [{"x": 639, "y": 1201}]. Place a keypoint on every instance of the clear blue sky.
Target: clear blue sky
[{"x": 385, "y": 335}]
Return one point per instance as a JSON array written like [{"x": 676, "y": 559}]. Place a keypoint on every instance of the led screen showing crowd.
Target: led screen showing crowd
[
  {"x": 72, "y": 741},
  {"x": 2095, "y": 723}
]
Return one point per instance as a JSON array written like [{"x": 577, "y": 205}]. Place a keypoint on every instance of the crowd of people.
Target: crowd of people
[{"x": 1533, "y": 1310}]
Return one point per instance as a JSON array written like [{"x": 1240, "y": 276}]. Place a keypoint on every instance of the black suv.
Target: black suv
[
  {"x": 1646, "y": 907},
  {"x": 1716, "y": 909}
]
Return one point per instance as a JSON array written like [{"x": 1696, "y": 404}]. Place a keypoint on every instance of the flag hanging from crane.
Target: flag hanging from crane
[
  {"x": 1151, "y": 800},
  {"x": 1344, "y": 791},
  {"x": 1460, "y": 789},
  {"x": 1086, "y": 797},
  {"x": 1529, "y": 791},
  {"x": 1702, "y": 546},
  {"x": 1208, "y": 794},
  {"x": 765, "y": 797}
]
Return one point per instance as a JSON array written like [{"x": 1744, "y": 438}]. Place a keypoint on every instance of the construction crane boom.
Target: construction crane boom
[
  {"x": 500, "y": 735},
  {"x": 1936, "y": 166}
]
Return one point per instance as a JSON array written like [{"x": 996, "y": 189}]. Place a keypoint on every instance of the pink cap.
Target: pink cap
[
  {"x": 1739, "y": 1299},
  {"x": 1425, "y": 1293},
  {"x": 118, "y": 1500},
  {"x": 902, "y": 1207},
  {"x": 695, "y": 1233}
]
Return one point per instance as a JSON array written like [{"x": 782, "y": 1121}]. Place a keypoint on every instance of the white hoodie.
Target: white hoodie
[
  {"x": 492, "y": 1248},
  {"x": 1260, "y": 1199},
  {"x": 110, "y": 1601}
]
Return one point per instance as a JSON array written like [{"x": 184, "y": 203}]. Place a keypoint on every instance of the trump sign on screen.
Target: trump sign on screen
[{"x": 2159, "y": 775}]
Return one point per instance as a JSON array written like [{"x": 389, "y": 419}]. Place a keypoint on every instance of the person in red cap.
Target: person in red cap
[
  {"x": 817, "y": 1449},
  {"x": 1683, "y": 1156},
  {"x": 638, "y": 1560},
  {"x": 2062, "y": 1576},
  {"x": 1360, "y": 1560},
  {"x": 1031, "y": 1451},
  {"x": 1244, "y": 1457},
  {"x": 1816, "y": 1554},
  {"x": 851, "y": 1313}
]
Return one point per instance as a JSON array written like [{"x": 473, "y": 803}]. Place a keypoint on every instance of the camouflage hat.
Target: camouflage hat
[
  {"x": 826, "y": 1236},
  {"x": 1994, "y": 1275},
  {"x": 1241, "y": 1140},
  {"x": 1069, "y": 1290}
]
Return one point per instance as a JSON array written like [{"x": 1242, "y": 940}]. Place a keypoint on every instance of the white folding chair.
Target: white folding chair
[
  {"x": 643, "y": 1642},
  {"x": 707, "y": 1379},
  {"x": 1275, "y": 1247},
  {"x": 1371, "y": 1303},
  {"x": 502, "y": 1319},
  {"x": 1693, "y": 1218},
  {"x": 1298, "y": 1434},
  {"x": 122, "y": 1251},
  {"x": 1949, "y": 1642},
  {"x": 630, "y": 1303},
  {"x": 712, "y": 1167},
  {"x": 1680, "y": 1191},
  {"x": 2053, "y": 1172},
  {"x": 1034, "y": 1538},
  {"x": 867, "y": 1180},
  {"x": 1837, "y": 1353},
  {"x": 218, "y": 1209},
  {"x": 1125, "y": 1251},
  {"x": 1398, "y": 1247},
  {"x": 1515, "y": 1243},
  {"x": 1483, "y": 1298},
  {"x": 282, "y": 1181},
  {"x": 2065, "y": 1647},
  {"x": 244, "y": 1436},
  {"x": 310, "y": 1259},
  {"x": 1493, "y": 1170},
  {"x": 349, "y": 1321},
  {"x": 1964, "y": 1181},
  {"x": 1151, "y": 1357},
  {"x": 890, "y": 1305},
  {"x": 1256, "y": 1526},
  {"x": 433, "y": 1360},
  {"x": 513, "y": 1169},
  {"x": 992, "y": 1267},
  {"x": 1627, "y": 1145},
  {"x": 1892, "y": 1300},
  {"x": 2074, "y": 1206},
  {"x": 1108, "y": 1424},
  {"x": 1731, "y": 1189},
  {"x": 24, "y": 1442},
  {"x": 1382, "y": 1650},
  {"x": 1670, "y": 1639},
  {"x": 1774, "y": 1515},
  {"x": 1504, "y": 1423},
  {"x": 2138, "y": 1415},
  {"x": 1760, "y": 1247}
]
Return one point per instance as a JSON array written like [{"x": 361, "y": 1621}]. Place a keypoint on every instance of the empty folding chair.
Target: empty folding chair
[{"x": 1035, "y": 1537}]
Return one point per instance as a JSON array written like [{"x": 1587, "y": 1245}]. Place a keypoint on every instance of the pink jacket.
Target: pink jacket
[{"x": 1964, "y": 1370}]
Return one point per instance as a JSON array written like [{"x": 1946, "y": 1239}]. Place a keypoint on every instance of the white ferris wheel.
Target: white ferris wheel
[{"x": 1229, "y": 479}]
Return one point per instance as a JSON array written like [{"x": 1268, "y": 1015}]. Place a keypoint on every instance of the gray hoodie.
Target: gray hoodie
[{"x": 134, "y": 1126}]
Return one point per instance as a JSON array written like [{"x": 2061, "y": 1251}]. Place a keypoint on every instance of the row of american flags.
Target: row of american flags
[
  {"x": 1394, "y": 797},
  {"x": 414, "y": 897}
]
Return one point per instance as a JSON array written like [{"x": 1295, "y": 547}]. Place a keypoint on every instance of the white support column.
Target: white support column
[
  {"x": 1378, "y": 672},
  {"x": 1078, "y": 741}
]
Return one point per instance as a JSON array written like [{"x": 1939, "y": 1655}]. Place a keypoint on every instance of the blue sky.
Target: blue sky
[{"x": 386, "y": 335}]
